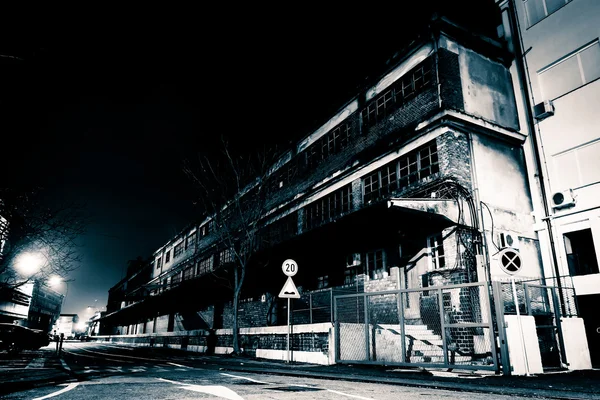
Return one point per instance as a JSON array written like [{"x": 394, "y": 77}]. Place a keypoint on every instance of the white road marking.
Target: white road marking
[
  {"x": 116, "y": 355},
  {"x": 349, "y": 395},
  {"x": 103, "y": 358},
  {"x": 243, "y": 377},
  {"x": 61, "y": 391},
  {"x": 178, "y": 365},
  {"x": 36, "y": 363},
  {"x": 220, "y": 391},
  {"x": 87, "y": 371}
]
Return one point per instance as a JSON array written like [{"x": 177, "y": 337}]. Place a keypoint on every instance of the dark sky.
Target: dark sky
[{"x": 103, "y": 111}]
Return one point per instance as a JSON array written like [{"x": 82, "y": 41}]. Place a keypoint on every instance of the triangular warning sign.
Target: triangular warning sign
[{"x": 289, "y": 290}]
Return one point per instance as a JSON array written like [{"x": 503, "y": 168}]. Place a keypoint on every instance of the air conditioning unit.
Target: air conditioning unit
[
  {"x": 508, "y": 239},
  {"x": 543, "y": 110},
  {"x": 353, "y": 260},
  {"x": 563, "y": 199}
]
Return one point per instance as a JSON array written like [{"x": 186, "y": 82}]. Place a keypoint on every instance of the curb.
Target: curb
[{"x": 453, "y": 386}]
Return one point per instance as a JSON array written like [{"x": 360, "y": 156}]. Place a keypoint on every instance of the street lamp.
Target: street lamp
[
  {"x": 29, "y": 263},
  {"x": 54, "y": 280}
]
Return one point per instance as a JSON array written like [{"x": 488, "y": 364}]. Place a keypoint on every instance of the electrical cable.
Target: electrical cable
[{"x": 492, "y": 219}]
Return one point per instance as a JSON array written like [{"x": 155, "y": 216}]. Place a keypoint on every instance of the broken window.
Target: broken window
[
  {"x": 375, "y": 264},
  {"x": 328, "y": 207}
]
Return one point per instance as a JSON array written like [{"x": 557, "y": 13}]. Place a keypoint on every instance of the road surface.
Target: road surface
[{"x": 110, "y": 371}]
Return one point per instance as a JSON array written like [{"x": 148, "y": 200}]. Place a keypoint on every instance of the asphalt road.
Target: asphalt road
[{"x": 108, "y": 371}]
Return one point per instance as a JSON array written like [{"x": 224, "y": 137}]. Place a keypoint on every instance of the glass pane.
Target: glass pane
[
  {"x": 535, "y": 11},
  {"x": 590, "y": 61},
  {"x": 589, "y": 163},
  {"x": 561, "y": 79},
  {"x": 553, "y": 5}
]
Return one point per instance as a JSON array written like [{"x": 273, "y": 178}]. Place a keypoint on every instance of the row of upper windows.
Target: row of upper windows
[
  {"x": 340, "y": 137},
  {"x": 400, "y": 173},
  {"x": 190, "y": 241},
  {"x": 571, "y": 72},
  {"x": 537, "y": 10}
]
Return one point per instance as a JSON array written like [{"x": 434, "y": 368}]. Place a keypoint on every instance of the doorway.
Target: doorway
[{"x": 588, "y": 310}]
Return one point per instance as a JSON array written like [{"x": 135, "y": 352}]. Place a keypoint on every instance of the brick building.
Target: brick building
[{"x": 387, "y": 194}]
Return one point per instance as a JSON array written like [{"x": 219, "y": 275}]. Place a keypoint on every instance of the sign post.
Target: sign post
[{"x": 289, "y": 291}]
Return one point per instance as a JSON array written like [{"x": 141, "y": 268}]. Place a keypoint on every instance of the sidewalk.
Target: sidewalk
[
  {"x": 46, "y": 369},
  {"x": 557, "y": 385}
]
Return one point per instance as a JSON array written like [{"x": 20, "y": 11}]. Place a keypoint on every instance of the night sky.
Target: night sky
[{"x": 102, "y": 112}]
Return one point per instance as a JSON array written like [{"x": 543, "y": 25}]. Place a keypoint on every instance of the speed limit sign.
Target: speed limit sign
[{"x": 289, "y": 267}]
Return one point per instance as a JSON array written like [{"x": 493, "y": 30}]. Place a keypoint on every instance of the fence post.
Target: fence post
[
  {"x": 336, "y": 331},
  {"x": 402, "y": 328},
  {"x": 561, "y": 342},
  {"x": 497, "y": 293},
  {"x": 310, "y": 307},
  {"x": 367, "y": 347},
  {"x": 443, "y": 326}
]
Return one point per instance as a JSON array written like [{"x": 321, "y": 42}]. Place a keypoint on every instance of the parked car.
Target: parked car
[{"x": 14, "y": 338}]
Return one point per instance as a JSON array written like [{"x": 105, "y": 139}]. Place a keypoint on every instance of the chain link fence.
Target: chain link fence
[{"x": 441, "y": 326}]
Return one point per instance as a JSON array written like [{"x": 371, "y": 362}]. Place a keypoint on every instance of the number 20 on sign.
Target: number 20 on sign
[{"x": 289, "y": 267}]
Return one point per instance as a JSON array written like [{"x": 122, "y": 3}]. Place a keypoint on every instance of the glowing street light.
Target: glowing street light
[
  {"x": 29, "y": 263},
  {"x": 54, "y": 280}
]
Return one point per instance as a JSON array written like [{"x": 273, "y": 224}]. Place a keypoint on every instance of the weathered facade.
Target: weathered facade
[
  {"x": 555, "y": 74},
  {"x": 387, "y": 194}
]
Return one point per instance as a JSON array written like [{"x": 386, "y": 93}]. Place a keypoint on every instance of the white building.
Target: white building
[{"x": 555, "y": 74}]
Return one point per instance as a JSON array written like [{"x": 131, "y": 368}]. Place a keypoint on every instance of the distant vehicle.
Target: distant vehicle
[{"x": 14, "y": 338}]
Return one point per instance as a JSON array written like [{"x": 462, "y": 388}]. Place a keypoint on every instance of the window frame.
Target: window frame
[{"x": 433, "y": 252}]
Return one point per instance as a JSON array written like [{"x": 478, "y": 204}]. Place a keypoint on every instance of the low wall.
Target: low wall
[{"x": 310, "y": 343}]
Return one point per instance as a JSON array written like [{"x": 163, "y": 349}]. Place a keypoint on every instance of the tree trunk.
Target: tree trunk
[{"x": 236, "y": 298}]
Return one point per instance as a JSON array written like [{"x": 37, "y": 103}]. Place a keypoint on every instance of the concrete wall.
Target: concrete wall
[{"x": 308, "y": 343}]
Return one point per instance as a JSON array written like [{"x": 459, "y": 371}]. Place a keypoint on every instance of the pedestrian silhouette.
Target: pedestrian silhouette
[{"x": 62, "y": 338}]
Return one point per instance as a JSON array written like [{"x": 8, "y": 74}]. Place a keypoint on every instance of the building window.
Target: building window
[
  {"x": 178, "y": 250},
  {"x": 322, "y": 282},
  {"x": 375, "y": 264},
  {"x": 279, "y": 230},
  {"x": 536, "y": 10},
  {"x": 398, "y": 94},
  {"x": 188, "y": 273},
  {"x": 577, "y": 167},
  {"x": 168, "y": 256},
  {"x": 225, "y": 256},
  {"x": 571, "y": 72},
  {"x": 191, "y": 241},
  {"x": 205, "y": 266},
  {"x": 436, "y": 251},
  {"x": 331, "y": 143},
  {"x": 158, "y": 263},
  {"x": 328, "y": 207},
  {"x": 406, "y": 170},
  {"x": 581, "y": 253}
]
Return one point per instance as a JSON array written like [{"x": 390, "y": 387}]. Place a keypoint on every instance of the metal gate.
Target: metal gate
[
  {"x": 439, "y": 326},
  {"x": 542, "y": 303}
]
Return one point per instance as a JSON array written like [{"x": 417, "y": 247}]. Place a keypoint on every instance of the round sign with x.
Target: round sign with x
[{"x": 510, "y": 261}]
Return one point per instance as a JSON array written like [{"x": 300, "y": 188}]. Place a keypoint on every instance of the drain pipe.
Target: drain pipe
[{"x": 527, "y": 94}]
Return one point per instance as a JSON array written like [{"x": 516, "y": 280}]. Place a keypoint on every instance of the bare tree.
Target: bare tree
[
  {"x": 233, "y": 189},
  {"x": 34, "y": 232}
]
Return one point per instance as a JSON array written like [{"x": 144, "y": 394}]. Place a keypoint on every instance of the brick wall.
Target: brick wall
[
  {"x": 250, "y": 314},
  {"x": 362, "y": 144},
  {"x": 455, "y": 157},
  {"x": 450, "y": 81}
]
